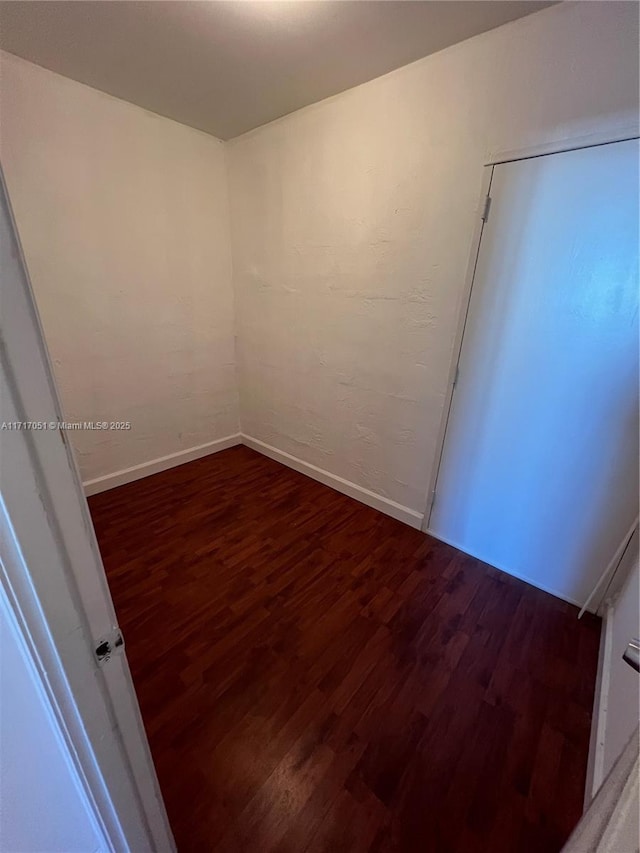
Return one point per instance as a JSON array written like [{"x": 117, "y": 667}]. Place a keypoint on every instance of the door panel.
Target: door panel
[
  {"x": 539, "y": 473},
  {"x": 56, "y": 577}
]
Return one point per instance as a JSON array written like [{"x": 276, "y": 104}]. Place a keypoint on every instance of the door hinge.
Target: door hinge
[
  {"x": 485, "y": 209},
  {"x": 456, "y": 376},
  {"x": 109, "y": 645},
  {"x": 433, "y": 500}
]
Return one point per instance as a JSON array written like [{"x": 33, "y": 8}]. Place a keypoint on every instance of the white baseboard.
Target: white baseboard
[
  {"x": 154, "y": 466},
  {"x": 402, "y": 513},
  {"x": 513, "y": 574},
  {"x": 385, "y": 505}
]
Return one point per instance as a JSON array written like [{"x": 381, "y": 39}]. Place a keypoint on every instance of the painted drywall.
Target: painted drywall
[
  {"x": 352, "y": 222},
  {"x": 42, "y": 806},
  {"x": 351, "y": 227},
  {"x": 124, "y": 221}
]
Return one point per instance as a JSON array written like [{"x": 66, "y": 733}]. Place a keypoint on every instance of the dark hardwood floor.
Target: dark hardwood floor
[{"x": 315, "y": 676}]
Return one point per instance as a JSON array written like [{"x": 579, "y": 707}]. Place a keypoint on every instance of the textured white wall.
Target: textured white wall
[
  {"x": 351, "y": 226},
  {"x": 352, "y": 222},
  {"x": 124, "y": 221}
]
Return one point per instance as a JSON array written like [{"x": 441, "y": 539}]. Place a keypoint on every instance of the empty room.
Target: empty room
[{"x": 320, "y": 424}]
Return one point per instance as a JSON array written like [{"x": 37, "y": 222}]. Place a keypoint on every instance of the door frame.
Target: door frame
[
  {"x": 560, "y": 146},
  {"x": 53, "y": 579}
]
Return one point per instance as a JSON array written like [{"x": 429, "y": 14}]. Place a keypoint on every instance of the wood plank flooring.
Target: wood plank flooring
[{"x": 316, "y": 677}]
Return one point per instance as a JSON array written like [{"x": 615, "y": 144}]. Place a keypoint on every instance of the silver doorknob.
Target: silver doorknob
[{"x": 632, "y": 654}]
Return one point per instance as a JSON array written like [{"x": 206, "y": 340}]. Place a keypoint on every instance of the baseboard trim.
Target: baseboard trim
[
  {"x": 154, "y": 466},
  {"x": 553, "y": 592},
  {"x": 346, "y": 487},
  {"x": 401, "y": 513}
]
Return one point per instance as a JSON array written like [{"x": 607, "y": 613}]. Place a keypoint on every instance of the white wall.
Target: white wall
[
  {"x": 352, "y": 222},
  {"x": 351, "y": 227},
  {"x": 123, "y": 216},
  {"x": 42, "y": 806}
]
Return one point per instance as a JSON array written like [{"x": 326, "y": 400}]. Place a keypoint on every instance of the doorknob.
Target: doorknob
[{"x": 632, "y": 654}]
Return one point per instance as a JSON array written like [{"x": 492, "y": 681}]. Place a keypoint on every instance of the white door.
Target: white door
[
  {"x": 53, "y": 580},
  {"x": 36, "y": 776},
  {"x": 539, "y": 471}
]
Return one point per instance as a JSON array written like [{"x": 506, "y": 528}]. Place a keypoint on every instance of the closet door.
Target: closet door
[{"x": 539, "y": 471}]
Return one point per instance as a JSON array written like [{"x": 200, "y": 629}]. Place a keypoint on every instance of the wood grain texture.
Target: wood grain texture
[{"x": 315, "y": 676}]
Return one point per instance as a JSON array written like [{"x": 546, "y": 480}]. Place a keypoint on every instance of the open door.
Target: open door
[
  {"x": 539, "y": 469},
  {"x": 54, "y": 581}
]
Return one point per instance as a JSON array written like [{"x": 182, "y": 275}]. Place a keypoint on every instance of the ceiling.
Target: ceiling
[{"x": 227, "y": 66}]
